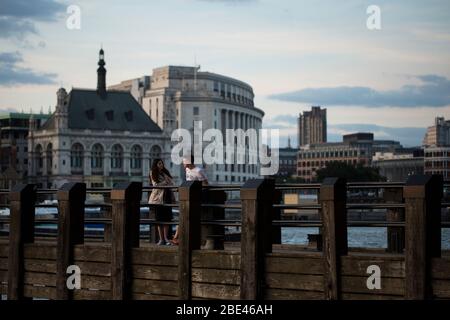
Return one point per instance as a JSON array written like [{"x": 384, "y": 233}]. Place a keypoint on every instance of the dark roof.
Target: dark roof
[{"x": 117, "y": 111}]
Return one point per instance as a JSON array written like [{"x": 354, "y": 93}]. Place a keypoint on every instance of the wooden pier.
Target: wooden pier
[{"x": 124, "y": 266}]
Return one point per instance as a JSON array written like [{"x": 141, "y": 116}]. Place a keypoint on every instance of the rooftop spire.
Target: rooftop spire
[{"x": 101, "y": 73}]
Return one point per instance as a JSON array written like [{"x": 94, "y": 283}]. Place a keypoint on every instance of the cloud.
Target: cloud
[
  {"x": 433, "y": 91},
  {"x": 11, "y": 74},
  {"x": 17, "y": 17}
]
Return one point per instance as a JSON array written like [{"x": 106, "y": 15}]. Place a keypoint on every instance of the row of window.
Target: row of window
[
  {"x": 330, "y": 154},
  {"x": 232, "y": 92},
  {"x": 324, "y": 163},
  {"x": 97, "y": 156},
  {"x": 437, "y": 154}
]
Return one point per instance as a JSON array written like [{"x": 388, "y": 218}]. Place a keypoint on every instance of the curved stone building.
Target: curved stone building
[{"x": 175, "y": 97}]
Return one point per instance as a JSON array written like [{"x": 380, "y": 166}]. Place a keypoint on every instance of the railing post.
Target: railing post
[
  {"x": 71, "y": 198},
  {"x": 256, "y": 235},
  {"x": 333, "y": 198},
  {"x": 125, "y": 200},
  {"x": 189, "y": 234},
  {"x": 214, "y": 235},
  {"x": 396, "y": 235},
  {"x": 276, "y": 215},
  {"x": 22, "y": 199},
  {"x": 423, "y": 196}
]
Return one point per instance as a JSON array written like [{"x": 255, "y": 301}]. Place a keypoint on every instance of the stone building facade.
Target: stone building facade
[{"x": 101, "y": 137}]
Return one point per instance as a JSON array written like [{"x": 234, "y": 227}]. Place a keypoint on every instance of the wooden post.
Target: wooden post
[
  {"x": 189, "y": 234},
  {"x": 22, "y": 199},
  {"x": 125, "y": 200},
  {"x": 214, "y": 235},
  {"x": 396, "y": 235},
  {"x": 71, "y": 199},
  {"x": 333, "y": 198},
  {"x": 256, "y": 235},
  {"x": 276, "y": 215},
  {"x": 423, "y": 196}
]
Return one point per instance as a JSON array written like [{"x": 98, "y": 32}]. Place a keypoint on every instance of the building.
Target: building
[
  {"x": 312, "y": 126},
  {"x": 398, "y": 167},
  {"x": 177, "y": 96},
  {"x": 97, "y": 136},
  {"x": 439, "y": 134},
  {"x": 437, "y": 148},
  {"x": 356, "y": 149},
  {"x": 437, "y": 161},
  {"x": 14, "y": 146},
  {"x": 287, "y": 161}
]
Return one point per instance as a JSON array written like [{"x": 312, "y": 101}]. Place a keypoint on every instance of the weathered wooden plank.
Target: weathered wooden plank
[
  {"x": 4, "y": 248},
  {"x": 284, "y": 294},
  {"x": 351, "y": 266},
  {"x": 94, "y": 268},
  {"x": 3, "y": 276},
  {"x": 217, "y": 276},
  {"x": 3, "y": 263},
  {"x": 40, "y": 292},
  {"x": 294, "y": 265},
  {"x": 156, "y": 256},
  {"x": 362, "y": 296},
  {"x": 294, "y": 281},
  {"x": 389, "y": 286},
  {"x": 82, "y": 294},
  {"x": 216, "y": 260},
  {"x": 169, "y": 288},
  {"x": 93, "y": 252},
  {"x": 441, "y": 289},
  {"x": 440, "y": 268},
  {"x": 291, "y": 252},
  {"x": 155, "y": 272},
  {"x": 215, "y": 291},
  {"x": 39, "y": 278},
  {"x": 142, "y": 296},
  {"x": 40, "y": 250},
  {"x": 36, "y": 265},
  {"x": 94, "y": 282}
]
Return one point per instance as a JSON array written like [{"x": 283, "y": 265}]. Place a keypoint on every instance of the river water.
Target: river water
[{"x": 357, "y": 236}]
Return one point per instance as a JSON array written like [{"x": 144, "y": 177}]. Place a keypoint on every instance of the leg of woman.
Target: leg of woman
[
  {"x": 161, "y": 235},
  {"x": 166, "y": 233}
]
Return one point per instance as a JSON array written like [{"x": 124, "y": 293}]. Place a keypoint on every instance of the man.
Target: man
[{"x": 193, "y": 173}]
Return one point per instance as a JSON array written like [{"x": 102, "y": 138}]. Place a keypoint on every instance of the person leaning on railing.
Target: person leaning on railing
[
  {"x": 193, "y": 173},
  {"x": 159, "y": 177}
]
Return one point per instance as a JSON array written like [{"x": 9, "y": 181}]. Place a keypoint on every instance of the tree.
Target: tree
[{"x": 350, "y": 172}]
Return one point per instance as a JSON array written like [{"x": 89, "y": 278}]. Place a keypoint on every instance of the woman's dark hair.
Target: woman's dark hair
[{"x": 154, "y": 173}]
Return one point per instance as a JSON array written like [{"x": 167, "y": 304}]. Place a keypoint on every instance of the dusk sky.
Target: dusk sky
[{"x": 294, "y": 54}]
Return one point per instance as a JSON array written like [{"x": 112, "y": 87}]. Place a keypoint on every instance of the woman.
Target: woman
[{"x": 160, "y": 176}]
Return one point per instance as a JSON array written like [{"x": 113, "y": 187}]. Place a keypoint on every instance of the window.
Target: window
[
  {"x": 97, "y": 157},
  {"x": 49, "y": 156},
  {"x": 109, "y": 115},
  {"x": 216, "y": 86},
  {"x": 136, "y": 157},
  {"x": 76, "y": 156},
  {"x": 116, "y": 157},
  {"x": 196, "y": 112}
]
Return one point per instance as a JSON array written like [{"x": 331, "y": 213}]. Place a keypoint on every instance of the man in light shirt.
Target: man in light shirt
[{"x": 194, "y": 173}]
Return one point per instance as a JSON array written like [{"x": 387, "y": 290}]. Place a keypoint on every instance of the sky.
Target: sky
[{"x": 392, "y": 81}]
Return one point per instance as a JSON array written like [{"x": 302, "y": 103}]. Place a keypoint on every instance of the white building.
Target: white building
[
  {"x": 177, "y": 96},
  {"x": 100, "y": 137}
]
